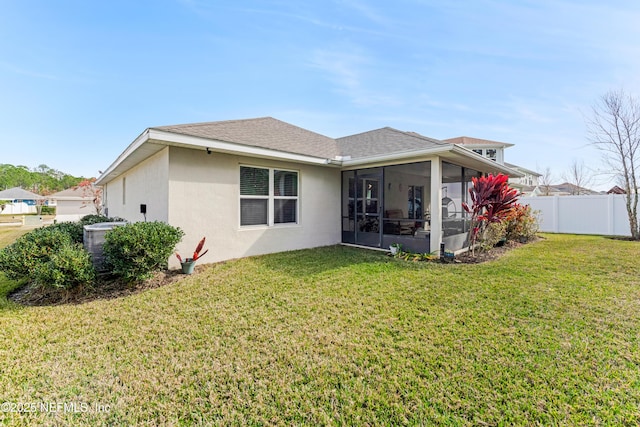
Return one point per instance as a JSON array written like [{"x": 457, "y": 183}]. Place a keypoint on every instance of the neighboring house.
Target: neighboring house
[
  {"x": 564, "y": 189},
  {"x": 18, "y": 201},
  {"x": 261, "y": 185},
  {"x": 494, "y": 150},
  {"x": 616, "y": 190},
  {"x": 72, "y": 204},
  {"x": 527, "y": 183}
]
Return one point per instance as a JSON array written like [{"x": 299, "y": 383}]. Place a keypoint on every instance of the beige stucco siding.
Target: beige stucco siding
[
  {"x": 73, "y": 210},
  {"x": 204, "y": 201},
  {"x": 146, "y": 183}
]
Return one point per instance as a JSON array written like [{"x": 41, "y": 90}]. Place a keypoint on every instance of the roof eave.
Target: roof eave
[
  {"x": 440, "y": 150},
  {"x": 491, "y": 164},
  {"x": 164, "y": 138},
  {"x": 388, "y": 157}
]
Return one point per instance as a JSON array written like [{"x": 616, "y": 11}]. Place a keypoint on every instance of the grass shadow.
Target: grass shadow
[{"x": 309, "y": 262}]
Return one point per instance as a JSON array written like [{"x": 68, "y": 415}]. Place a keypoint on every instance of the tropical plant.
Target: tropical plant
[
  {"x": 196, "y": 254},
  {"x": 521, "y": 223},
  {"x": 492, "y": 199}
]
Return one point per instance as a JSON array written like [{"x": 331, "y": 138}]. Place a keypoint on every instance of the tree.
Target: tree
[
  {"x": 492, "y": 199},
  {"x": 544, "y": 181},
  {"x": 93, "y": 193},
  {"x": 41, "y": 179},
  {"x": 579, "y": 176},
  {"x": 615, "y": 130}
]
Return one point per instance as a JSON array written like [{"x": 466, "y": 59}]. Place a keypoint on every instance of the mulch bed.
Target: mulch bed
[
  {"x": 106, "y": 287},
  {"x": 490, "y": 255}
]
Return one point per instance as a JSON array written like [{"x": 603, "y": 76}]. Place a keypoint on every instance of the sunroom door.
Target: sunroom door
[{"x": 368, "y": 209}]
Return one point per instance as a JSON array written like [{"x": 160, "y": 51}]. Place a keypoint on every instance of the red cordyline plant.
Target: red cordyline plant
[
  {"x": 492, "y": 200},
  {"x": 196, "y": 254}
]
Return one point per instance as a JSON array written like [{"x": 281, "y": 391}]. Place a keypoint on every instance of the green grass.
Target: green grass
[{"x": 547, "y": 335}]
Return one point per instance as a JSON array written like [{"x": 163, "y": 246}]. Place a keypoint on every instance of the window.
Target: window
[
  {"x": 489, "y": 153},
  {"x": 285, "y": 196},
  {"x": 268, "y": 196},
  {"x": 124, "y": 190}
]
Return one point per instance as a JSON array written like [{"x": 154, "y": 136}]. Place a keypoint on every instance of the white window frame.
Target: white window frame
[{"x": 270, "y": 198}]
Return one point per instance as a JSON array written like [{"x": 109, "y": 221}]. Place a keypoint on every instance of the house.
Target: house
[
  {"x": 18, "y": 201},
  {"x": 616, "y": 190},
  {"x": 72, "y": 204},
  {"x": 261, "y": 185},
  {"x": 527, "y": 183},
  {"x": 494, "y": 150},
  {"x": 564, "y": 189}
]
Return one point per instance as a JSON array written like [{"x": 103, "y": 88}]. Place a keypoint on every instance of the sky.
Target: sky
[{"x": 80, "y": 80}]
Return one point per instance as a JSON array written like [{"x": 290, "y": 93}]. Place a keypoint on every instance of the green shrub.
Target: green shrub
[
  {"x": 20, "y": 259},
  {"x": 67, "y": 267},
  {"x": 522, "y": 223},
  {"x": 73, "y": 229},
  {"x": 48, "y": 210},
  {"x": 49, "y": 257},
  {"x": 493, "y": 233},
  {"x": 96, "y": 219},
  {"x": 135, "y": 251}
]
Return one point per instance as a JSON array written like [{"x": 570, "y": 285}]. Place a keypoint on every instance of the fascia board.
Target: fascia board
[
  {"x": 491, "y": 164},
  {"x": 442, "y": 150},
  {"x": 159, "y": 137},
  {"x": 395, "y": 156}
]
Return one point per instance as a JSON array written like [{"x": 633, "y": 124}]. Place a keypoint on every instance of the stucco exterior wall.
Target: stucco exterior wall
[
  {"x": 205, "y": 201},
  {"x": 73, "y": 210},
  {"x": 146, "y": 183}
]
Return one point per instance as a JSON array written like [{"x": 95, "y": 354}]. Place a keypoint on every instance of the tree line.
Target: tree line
[{"x": 42, "y": 180}]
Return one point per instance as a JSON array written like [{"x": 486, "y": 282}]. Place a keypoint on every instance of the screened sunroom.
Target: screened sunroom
[{"x": 395, "y": 204}]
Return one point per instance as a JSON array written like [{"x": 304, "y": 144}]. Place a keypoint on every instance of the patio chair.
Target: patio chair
[{"x": 401, "y": 226}]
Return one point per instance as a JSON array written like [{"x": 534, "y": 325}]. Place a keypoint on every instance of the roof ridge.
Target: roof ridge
[
  {"x": 421, "y": 136},
  {"x": 362, "y": 133},
  {"x": 196, "y": 124}
]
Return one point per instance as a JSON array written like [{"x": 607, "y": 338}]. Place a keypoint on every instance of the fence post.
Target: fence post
[
  {"x": 611, "y": 214},
  {"x": 556, "y": 214}
]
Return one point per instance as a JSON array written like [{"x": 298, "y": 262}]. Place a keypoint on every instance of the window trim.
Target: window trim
[{"x": 271, "y": 197}]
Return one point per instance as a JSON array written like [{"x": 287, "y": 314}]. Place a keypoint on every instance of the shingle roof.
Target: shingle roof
[
  {"x": 569, "y": 188},
  {"x": 17, "y": 193},
  {"x": 384, "y": 141},
  {"x": 465, "y": 140},
  {"x": 76, "y": 193},
  {"x": 264, "y": 132}
]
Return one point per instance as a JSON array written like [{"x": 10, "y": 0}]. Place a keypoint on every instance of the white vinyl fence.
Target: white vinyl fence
[{"x": 600, "y": 214}]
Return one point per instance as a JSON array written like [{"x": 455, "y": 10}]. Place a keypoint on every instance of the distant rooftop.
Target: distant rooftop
[
  {"x": 476, "y": 142},
  {"x": 17, "y": 193}
]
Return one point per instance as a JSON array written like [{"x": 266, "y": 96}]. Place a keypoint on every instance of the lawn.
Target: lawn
[{"x": 547, "y": 335}]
